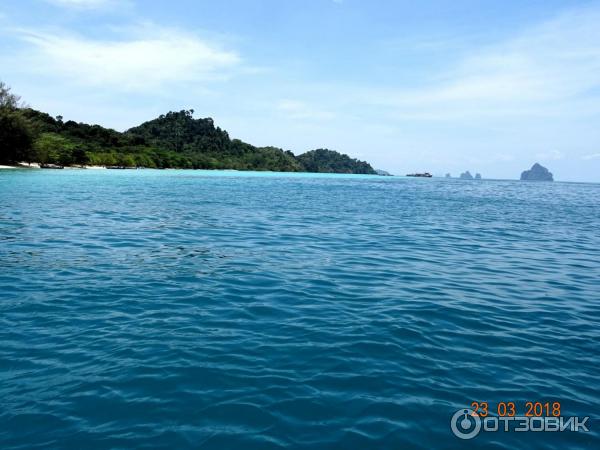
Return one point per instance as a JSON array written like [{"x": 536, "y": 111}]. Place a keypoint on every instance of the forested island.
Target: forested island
[{"x": 173, "y": 140}]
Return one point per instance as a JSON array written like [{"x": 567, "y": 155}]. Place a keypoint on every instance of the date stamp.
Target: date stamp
[
  {"x": 512, "y": 416},
  {"x": 512, "y": 409}
]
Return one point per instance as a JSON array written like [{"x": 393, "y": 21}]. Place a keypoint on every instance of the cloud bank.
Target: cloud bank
[
  {"x": 548, "y": 70},
  {"x": 148, "y": 59}
]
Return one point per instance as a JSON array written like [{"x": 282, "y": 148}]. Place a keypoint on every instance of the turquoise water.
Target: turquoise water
[{"x": 191, "y": 309}]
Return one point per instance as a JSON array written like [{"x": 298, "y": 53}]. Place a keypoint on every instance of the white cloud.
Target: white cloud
[
  {"x": 590, "y": 157},
  {"x": 550, "y": 69},
  {"x": 84, "y": 4},
  {"x": 152, "y": 57},
  {"x": 296, "y": 109}
]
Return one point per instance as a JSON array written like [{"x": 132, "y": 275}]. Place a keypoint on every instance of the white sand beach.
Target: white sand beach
[{"x": 24, "y": 165}]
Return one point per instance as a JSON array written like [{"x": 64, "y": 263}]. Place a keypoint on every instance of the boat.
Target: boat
[
  {"x": 421, "y": 175},
  {"x": 51, "y": 166}
]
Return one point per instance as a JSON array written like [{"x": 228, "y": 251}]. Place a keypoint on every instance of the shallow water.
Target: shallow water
[{"x": 240, "y": 310}]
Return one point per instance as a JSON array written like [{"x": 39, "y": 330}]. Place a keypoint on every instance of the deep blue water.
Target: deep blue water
[{"x": 217, "y": 310}]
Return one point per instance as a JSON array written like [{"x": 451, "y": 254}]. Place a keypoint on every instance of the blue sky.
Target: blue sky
[{"x": 485, "y": 86}]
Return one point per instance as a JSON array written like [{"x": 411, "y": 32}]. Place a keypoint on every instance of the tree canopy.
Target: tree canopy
[
  {"x": 324, "y": 160},
  {"x": 175, "y": 139},
  {"x": 7, "y": 99},
  {"x": 16, "y": 138}
]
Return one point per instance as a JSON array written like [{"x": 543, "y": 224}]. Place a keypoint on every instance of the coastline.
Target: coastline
[
  {"x": 21, "y": 165},
  {"x": 24, "y": 165}
]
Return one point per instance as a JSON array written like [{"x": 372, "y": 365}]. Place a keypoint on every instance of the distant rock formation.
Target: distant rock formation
[
  {"x": 383, "y": 173},
  {"x": 478, "y": 176},
  {"x": 466, "y": 176},
  {"x": 448, "y": 175},
  {"x": 537, "y": 173}
]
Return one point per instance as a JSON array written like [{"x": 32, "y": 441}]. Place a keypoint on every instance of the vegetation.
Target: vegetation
[
  {"x": 16, "y": 137},
  {"x": 175, "y": 139},
  {"x": 323, "y": 160},
  {"x": 198, "y": 144}
]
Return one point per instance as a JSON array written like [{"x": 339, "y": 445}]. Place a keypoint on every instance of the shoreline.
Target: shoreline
[{"x": 24, "y": 165}]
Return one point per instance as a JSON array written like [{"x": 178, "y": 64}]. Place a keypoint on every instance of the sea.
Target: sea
[{"x": 257, "y": 310}]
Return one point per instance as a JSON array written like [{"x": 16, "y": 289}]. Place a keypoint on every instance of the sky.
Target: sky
[{"x": 440, "y": 86}]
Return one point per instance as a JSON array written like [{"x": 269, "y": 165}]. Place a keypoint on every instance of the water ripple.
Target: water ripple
[{"x": 178, "y": 309}]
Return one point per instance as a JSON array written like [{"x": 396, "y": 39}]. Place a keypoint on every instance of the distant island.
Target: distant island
[
  {"x": 537, "y": 173},
  {"x": 467, "y": 176},
  {"x": 173, "y": 140}
]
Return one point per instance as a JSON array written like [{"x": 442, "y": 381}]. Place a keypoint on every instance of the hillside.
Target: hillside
[
  {"x": 201, "y": 145},
  {"x": 173, "y": 140},
  {"x": 323, "y": 160}
]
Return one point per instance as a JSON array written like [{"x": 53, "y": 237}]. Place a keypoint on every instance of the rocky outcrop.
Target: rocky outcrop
[
  {"x": 448, "y": 175},
  {"x": 537, "y": 173},
  {"x": 466, "y": 176},
  {"x": 478, "y": 176}
]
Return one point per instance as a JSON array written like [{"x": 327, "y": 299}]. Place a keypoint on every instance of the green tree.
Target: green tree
[
  {"x": 80, "y": 156},
  {"x": 324, "y": 160},
  {"x": 54, "y": 148},
  {"x": 8, "y": 100},
  {"x": 126, "y": 160},
  {"x": 15, "y": 131},
  {"x": 15, "y": 137}
]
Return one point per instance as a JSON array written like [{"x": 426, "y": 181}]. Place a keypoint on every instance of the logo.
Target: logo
[{"x": 465, "y": 424}]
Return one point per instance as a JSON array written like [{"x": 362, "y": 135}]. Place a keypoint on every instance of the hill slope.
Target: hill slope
[
  {"x": 323, "y": 160},
  {"x": 175, "y": 139}
]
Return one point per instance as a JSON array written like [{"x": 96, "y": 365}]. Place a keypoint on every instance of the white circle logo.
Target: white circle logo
[{"x": 465, "y": 424}]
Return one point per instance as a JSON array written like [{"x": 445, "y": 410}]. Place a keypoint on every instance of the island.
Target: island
[
  {"x": 172, "y": 140},
  {"x": 448, "y": 175},
  {"x": 466, "y": 176},
  {"x": 478, "y": 176},
  {"x": 537, "y": 173},
  {"x": 328, "y": 161}
]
